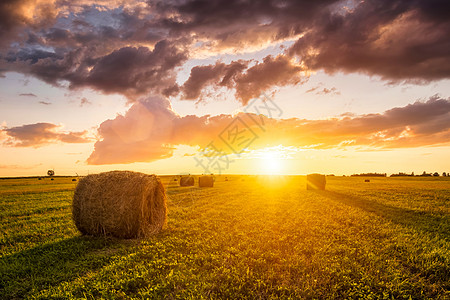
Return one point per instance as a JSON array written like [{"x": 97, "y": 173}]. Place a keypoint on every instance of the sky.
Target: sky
[{"x": 224, "y": 86}]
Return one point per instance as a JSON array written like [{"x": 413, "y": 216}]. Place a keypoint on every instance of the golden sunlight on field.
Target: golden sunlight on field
[{"x": 246, "y": 237}]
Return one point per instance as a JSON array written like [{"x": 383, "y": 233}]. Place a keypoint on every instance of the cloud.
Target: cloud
[
  {"x": 248, "y": 82},
  {"x": 323, "y": 91},
  {"x": 134, "y": 71},
  {"x": 40, "y": 134},
  {"x": 129, "y": 70},
  {"x": 135, "y": 48},
  {"x": 273, "y": 71},
  {"x": 219, "y": 74},
  {"x": 84, "y": 101},
  {"x": 312, "y": 89},
  {"x": 150, "y": 130},
  {"x": 326, "y": 91},
  {"x": 45, "y": 103},
  {"x": 397, "y": 40},
  {"x": 27, "y": 95},
  {"x": 20, "y": 13},
  {"x": 238, "y": 24},
  {"x": 140, "y": 135}
]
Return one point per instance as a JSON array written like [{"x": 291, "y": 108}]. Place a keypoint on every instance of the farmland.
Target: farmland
[{"x": 248, "y": 237}]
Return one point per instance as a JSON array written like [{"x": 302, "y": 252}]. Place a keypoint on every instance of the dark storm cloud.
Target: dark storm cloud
[
  {"x": 40, "y": 134},
  {"x": 239, "y": 23},
  {"x": 271, "y": 72},
  {"x": 133, "y": 71},
  {"x": 31, "y": 56},
  {"x": 247, "y": 82},
  {"x": 129, "y": 70},
  {"x": 219, "y": 74},
  {"x": 134, "y": 47},
  {"x": 397, "y": 40}
]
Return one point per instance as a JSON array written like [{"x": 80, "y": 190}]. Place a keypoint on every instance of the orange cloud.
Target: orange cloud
[
  {"x": 150, "y": 130},
  {"x": 16, "y": 13}
]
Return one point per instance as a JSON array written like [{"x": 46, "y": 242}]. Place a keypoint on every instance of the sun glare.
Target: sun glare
[
  {"x": 271, "y": 164},
  {"x": 271, "y": 161}
]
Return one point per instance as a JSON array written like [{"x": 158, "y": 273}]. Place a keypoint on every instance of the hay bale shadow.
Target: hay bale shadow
[{"x": 32, "y": 270}]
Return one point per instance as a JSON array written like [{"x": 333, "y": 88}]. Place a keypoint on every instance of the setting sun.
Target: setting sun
[
  {"x": 271, "y": 163},
  {"x": 271, "y": 160}
]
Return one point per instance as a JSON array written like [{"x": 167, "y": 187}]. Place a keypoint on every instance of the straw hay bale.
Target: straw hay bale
[
  {"x": 187, "y": 181},
  {"x": 315, "y": 182},
  {"x": 123, "y": 204},
  {"x": 206, "y": 181}
]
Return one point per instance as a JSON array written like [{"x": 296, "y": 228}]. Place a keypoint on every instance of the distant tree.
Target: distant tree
[
  {"x": 402, "y": 174},
  {"x": 436, "y": 174},
  {"x": 444, "y": 174},
  {"x": 50, "y": 173},
  {"x": 370, "y": 174},
  {"x": 424, "y": 173}
]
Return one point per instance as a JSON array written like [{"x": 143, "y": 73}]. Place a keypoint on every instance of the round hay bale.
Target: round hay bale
[
  {"x": 187, "y": 181},
  {"x": 315, "y": 182},
  {"x": 123, "y": 204},
  {"x": 206, "y": 181},
  {"x": 367, "y": 180},
  {"x": 74, "y": 179}
]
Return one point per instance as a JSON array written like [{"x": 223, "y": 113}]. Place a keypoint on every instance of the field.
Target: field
[{"x": 249, "y": 237}]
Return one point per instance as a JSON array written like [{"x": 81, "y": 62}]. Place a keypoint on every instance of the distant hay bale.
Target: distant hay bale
[
  {"x": 367, "y": 180},
  {"x": 39, "y": 178},
  {"x": 226, "y": 178},
  {"x": 52, "y": 179},
  {"x": 315, "y": 182},
  {"x": 206, "y": 181},
  {"x": 123, "y": 204},
  {"x": 187, "y": 181},
  {"x": 73, "y": 179}
]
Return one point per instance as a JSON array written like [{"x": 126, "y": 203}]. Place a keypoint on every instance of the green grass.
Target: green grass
[{"x": 249, "y": 237}]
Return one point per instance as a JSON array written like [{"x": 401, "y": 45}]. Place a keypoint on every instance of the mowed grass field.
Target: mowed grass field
[{"x": 246, "y": 238}]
